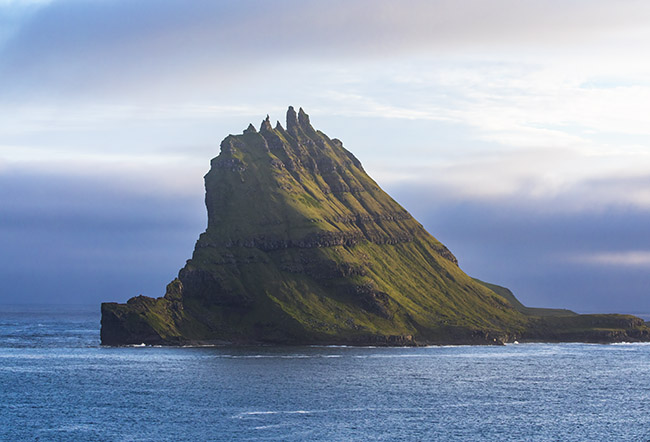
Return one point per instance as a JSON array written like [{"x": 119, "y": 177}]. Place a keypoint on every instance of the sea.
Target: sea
[{"x": 58, "y": 384}]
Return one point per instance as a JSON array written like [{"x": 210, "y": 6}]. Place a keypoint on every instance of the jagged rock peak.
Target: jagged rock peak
[
  {"x": 303, "y": 119},
  {"x": 292, "y": 118},
  {"x": 278, "y": 126},
  {"x": 266, "y": 124},
  {"x": 250, "y": 129}
]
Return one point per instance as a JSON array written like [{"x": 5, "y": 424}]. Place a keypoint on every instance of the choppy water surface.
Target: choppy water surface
[{"x": 57, "y": 383}]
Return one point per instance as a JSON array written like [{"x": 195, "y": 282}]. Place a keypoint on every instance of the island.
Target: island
[{"x": 303, "y": 247}]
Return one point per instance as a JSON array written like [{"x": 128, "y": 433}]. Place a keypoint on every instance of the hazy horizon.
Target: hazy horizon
[{"x": 515, "y": 132}]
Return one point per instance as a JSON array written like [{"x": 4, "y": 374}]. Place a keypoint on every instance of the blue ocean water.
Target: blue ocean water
[{"x": 57, "y": 383}]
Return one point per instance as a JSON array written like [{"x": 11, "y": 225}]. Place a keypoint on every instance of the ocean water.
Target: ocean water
[{"x": 58, "y": 384}]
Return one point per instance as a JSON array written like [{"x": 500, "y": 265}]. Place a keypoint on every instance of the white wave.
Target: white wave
[
  {"x": 273, "y": 412},
  {"x": 266, "y": 427},
  {"x": 296, "y": 356},
  {"x": 199, "y": 345},
  {"x": 393, "y": 356},
  {"x": 330, "y": 346},
  {"x": 639, "y": 344},
  {"x": 252, "y": 413}
]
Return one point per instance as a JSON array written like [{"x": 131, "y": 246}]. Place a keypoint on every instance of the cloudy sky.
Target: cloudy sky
[{"x": 517, "y": 132}]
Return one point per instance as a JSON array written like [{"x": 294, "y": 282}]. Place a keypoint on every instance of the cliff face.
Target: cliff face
[{"x": 302, "y": 246}]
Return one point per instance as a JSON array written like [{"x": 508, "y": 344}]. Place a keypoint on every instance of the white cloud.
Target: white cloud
[
  {"x": 537, "y": 104},
  {"x": 631, "y": 259}
]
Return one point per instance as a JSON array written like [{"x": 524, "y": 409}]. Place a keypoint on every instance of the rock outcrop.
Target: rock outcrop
[{"x": 302, "y": 246}]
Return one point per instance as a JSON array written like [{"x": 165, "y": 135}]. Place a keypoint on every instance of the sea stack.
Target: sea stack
[{"x": 303, "y": 247}]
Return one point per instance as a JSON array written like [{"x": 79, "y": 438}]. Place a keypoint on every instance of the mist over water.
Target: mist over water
[{"x": 59, "y": 384}]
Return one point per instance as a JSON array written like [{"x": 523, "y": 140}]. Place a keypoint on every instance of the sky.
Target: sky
[{"x": 517, "y": 132}]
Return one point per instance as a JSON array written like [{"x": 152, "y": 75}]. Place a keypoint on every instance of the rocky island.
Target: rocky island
[{"x": 303, "y": 247}]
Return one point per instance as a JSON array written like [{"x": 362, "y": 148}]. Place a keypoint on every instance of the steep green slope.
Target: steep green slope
[{"x": 302, "y": 246}]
